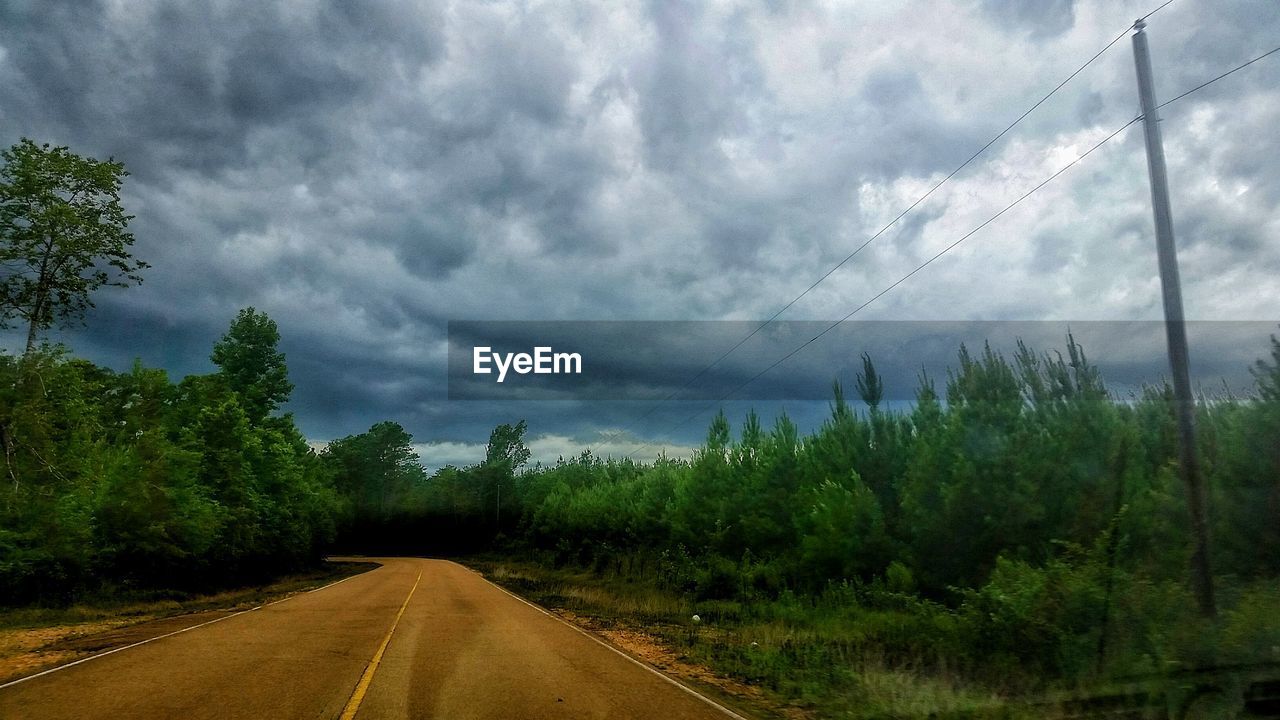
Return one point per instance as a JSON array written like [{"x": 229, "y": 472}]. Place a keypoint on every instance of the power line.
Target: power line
[
  {"x": 954, "y": 244},
  {"x": 877, "y": 234},
  {"x": 1151, "y": 14},
  {"x": 904, "y": 278},
  {"x": 1206, "y": 84}
]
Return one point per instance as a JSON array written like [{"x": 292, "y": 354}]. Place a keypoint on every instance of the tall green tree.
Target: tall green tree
[
  {"x": 376, "y": 470},
  {"x": 253, "y": 365},
  {"x": 63, "y": 235},
  {"x": 504, "y": 455},
  {"x": 870, "y": 384},
  {"x": 506, "y": 447}
]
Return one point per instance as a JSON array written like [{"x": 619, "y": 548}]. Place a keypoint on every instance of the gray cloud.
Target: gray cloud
[
  {"x": 366, "y": 173},
  {"x": 1039, "y": 19}
]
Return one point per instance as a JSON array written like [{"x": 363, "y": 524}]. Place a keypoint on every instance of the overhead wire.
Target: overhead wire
[
  {"x": 951, "y": 246},
  {"x": 874, "y": 236}
]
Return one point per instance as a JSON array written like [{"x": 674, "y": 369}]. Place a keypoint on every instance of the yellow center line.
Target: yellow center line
[{"x": 353, "y": 705}]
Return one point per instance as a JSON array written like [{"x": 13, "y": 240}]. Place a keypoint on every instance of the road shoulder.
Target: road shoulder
[{"x": 35, "y": 640}]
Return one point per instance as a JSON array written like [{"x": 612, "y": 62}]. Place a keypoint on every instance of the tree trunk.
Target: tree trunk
[
  {"x": 31, "y": 329},
  {"x": 42, "y": 294}
]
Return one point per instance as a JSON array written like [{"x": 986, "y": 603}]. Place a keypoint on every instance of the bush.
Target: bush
[{"x": 1042, "y": 621}]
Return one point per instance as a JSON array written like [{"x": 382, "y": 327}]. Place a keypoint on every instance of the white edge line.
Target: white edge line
[
  {"x": 113, "y": 651},
  {"x": 322, "y": 587},
  {"x": 620, "y": 653}
]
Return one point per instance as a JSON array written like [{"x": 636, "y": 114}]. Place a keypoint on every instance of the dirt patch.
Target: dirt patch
[
  {"x": 651, "y": 649},
  {"x": 24, "y": 652},
  {"x": 44, "y": 643},
  {"x": 28, "y": 651}
]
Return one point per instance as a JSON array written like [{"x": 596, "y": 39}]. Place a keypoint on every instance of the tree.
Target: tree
[
  {"x": 252, "y": 365},
  {"x": 843, "y": 533},
  {"x": 870, "y": 385},
  {"x": 64, "y": 235},
  {"x": 504, "y": 455},
  {"x": 377, "y": 470},
  {"x": 506, "y": 447}
]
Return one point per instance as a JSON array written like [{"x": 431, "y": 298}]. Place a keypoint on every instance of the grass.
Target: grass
[
  {"x": 804, "y": 661},
  {"x": 888, "y": 655}
]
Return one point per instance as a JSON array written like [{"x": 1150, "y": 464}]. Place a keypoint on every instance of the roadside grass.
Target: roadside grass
[
  {"x": 811, "y": 661},
  {"x": 845, "y": 654},
  {"x": 123, "y": 608}
]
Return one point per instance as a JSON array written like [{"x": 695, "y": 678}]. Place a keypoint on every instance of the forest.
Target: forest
[
  {"x": 128, "y": 480},
  {"x": 1018, "y": 525}
]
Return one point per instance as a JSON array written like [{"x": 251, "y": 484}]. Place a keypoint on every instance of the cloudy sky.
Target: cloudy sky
[{"x": 367, "y": 172}]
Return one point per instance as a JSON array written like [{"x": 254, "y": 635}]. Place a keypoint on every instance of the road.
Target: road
[{"x": 413, "y": 638}]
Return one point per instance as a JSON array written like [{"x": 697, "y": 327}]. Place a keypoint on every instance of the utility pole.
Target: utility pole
[{"x": 1175, "y": 326}]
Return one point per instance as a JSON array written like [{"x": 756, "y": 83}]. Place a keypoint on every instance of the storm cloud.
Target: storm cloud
[{"x": 366, "y": 173}]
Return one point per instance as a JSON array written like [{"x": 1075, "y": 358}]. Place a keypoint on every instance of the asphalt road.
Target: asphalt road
[{"x": 411, "y": 639}]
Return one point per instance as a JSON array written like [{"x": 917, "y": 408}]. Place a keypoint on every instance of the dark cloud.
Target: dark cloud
[
  {"x": 1041, "y": 19},
  {"x": 202, "y": 82},
  {"x": 367, "y": 173}
]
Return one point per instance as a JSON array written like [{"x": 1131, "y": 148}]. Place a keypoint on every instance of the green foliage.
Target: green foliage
[
  {"x": 843, "y": 535},
  {"x": 1248, "y": 442},
  {"x": 1026, "y": 528},
  {"x": 252, "y": 365},
  {"x": 128, "y": 481},
  {"x": 506, "y": 449},
  {"x": 870, "y": 386},
  {"x": 1042, "y": 620},
  {"x": 63, "y": 234},
  {"x": 377, "y": 471},
  {"x": 1024, "y": 454}
]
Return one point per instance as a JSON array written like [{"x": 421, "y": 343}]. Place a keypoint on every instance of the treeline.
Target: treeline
[
  {"x": 395, "y": 507},
  {"x": 1018, "y": 521},
  {"x": 1013, "y": 458},
  {"x": 119, "y": 481}
]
